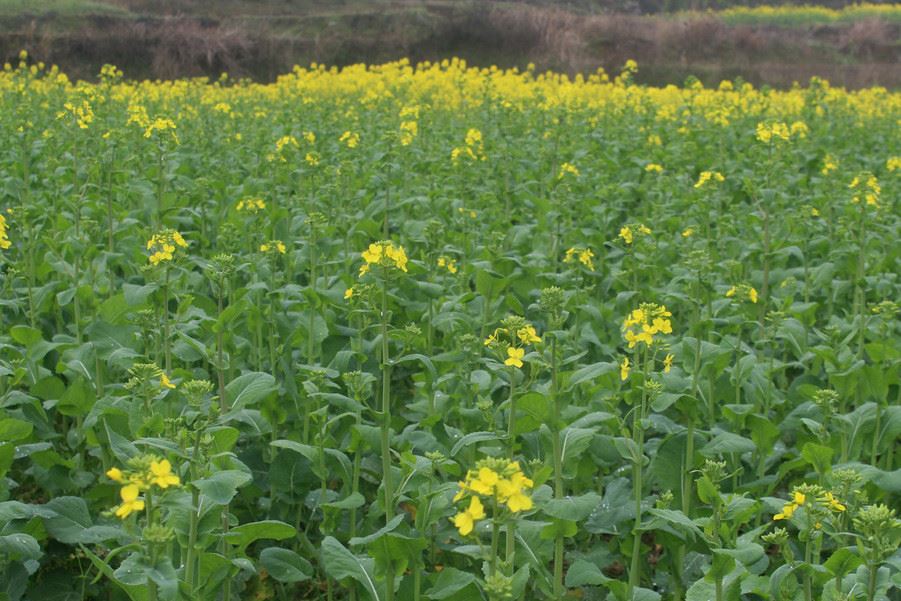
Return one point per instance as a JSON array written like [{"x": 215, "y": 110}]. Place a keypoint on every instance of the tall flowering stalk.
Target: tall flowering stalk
[
  {"x": 382, "y": 259},
  {"x": 163, "y": 247},
  {"x": 643, "y": 330},
  {"x": 496, "y": 490},
  {"x": 510, "y": 342}
]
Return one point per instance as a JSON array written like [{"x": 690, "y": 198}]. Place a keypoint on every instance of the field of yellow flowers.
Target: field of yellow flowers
[{"x": 448, "y": 333}]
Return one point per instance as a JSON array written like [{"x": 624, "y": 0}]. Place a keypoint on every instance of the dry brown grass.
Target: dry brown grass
[{"x": 667, "y": 49}]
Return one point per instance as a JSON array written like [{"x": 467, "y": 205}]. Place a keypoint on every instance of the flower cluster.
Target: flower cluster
[
  {"x": 709, "y": 176},
  {"x": 4, "y": 236},
  {"x": 162, "y": 124},
  {"x": 817, "y": 501},
  {"x": 653, "y": 168},
  {"x": 448, "y": 263},
  {"x": 409, "y": 126},
  {"x": 893, "y": 164},
  {"x": 142, "y": 474},
  {"x": 830, "y": 164},
  {"x": 251, "y": 205},
  {"x": 511, "y": 339},
  {"x": 163, "y": 246},
  {"x": 865, "y": 188},
  {"x": 498, "y": 480},
  {"x": 273, "y": 246},
  {"x": 646, "y": 322},
  {"x": 472, "y": 150},
  {"x": 286, "y": 141},
  {"x": 743, "y": 292},
  {"x": 568, "y": 169},
  {"x": 83, "y": 114},
  {"x": 629, "y": 232},
  {"x": 584, "y": 255},
  {"x": 386, "y": 254},
  {"x": 777, "y": 130},
  {"x": 350, "y": 139}
]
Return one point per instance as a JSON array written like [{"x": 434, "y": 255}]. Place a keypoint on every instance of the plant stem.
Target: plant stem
[
  {"x": 386, "y": 427},
  {"x": 511, "y": 426},
  {"x": 558, "y": 471},
  {"x": 638, "y": 437}
]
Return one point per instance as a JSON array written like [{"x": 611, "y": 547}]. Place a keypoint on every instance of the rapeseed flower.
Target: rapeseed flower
[
  {"x": 709, "y": 176},
  {"x": 646, "y": 322},
  {"x": 130, "y": 501},
  {"x": 866, "y": 189},
  {"x": 163, "y": 246},
  {"x": 386, "y": 254},
  {"x": 584, "y": 255},
  {"x": 498, "y": 480},
  {"x": 250, "y": 205},
  {"x": 4, "y": 235}
]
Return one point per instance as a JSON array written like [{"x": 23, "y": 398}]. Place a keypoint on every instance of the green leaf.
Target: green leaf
[
  {"x": 221, "y": 487},
  {"x": 390, "y": 526},
  {"x": 727, "y": 442},
  {"x": 584, "y": 573},
  {"x": 592, "y": 372},
  {"x": 19, "y": 547},
  {"x": 818, "y": 456},
  {"x": 472, "y": 438},
  {"x": 352, "y": 501},
  {"x": 573, "y": 508},
  {"x": 449, "y": 582},
  {"x": 12, "y": 430},
  {"x": 340, "y": 564},
  {"x": 249, "y": 389},
  {"x": 241, "y": 536},
  {"x": 842, "y": 561},
  {"x": 285, "y": 565}
]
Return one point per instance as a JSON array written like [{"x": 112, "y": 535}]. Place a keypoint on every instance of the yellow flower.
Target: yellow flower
[
  {"x": 567, "y": 168},
  {"x": 350, "y": 139},
  {"x": 653, "y": 168},
  {"x": 528, "y": 335},
  {"x": 667, "y": 363},
  {"x": 688, "y": 232},
  {"x": 115, "y": 474},
  {"x": 624, "y": 369},
  {"x": 163, "y": 245},
  {"x": 4, "y": 238},
  {"x": 348, "y": 293},
  {"x": 829, "y": 164},
  {"x": 384, "y": 253},
  {"x": 130, "y": 501},
  {"x": 642, "y": 324},
  {"x": 626, "y": 234},
  {"x": 752, "y": 295},
  {"x": 708, "y": 176},
  {"x": 465, "y": 520},
  {"x": 161, "y": 474},
  {"x": 519, "y": 502},
  {"x": 165, "y": 382},
  {"x": 448, "y": 263},
  {"x": 832, "y": 503},
  {"x": 514, "y": 356}
]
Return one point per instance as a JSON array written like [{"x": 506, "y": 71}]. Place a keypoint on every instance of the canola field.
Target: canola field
[{"x": 437, "y": 332}]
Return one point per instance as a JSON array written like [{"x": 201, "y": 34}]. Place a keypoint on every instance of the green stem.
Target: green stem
[
  {"x": 386, "y": 427},
  {"x": 167, "y": 351},
  {"x": 638, "y": 437},
  {"x": 511, "y": 426},
  {"x": 559, "y": 590}
]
